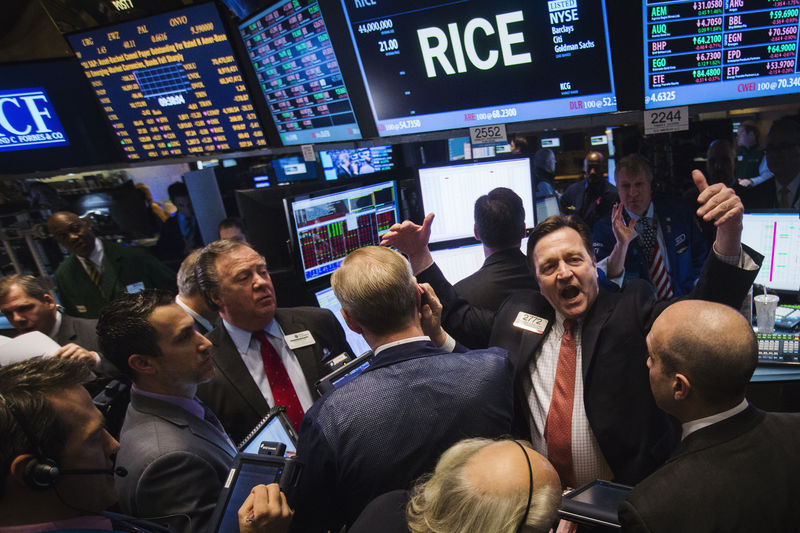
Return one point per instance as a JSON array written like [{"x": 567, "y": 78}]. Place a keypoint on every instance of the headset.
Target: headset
[{"x": 530, "y": 487}]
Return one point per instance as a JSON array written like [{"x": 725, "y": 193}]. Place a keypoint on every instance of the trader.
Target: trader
[{"x": 592, "y": 197}]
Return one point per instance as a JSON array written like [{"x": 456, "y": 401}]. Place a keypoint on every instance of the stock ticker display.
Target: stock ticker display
[
  {"x": 715, "y": 50},
  {"x": 443, "y": 65},
  {"x": 297, "y": 70},
  {"x": 331, "y": 226},
  {"x": 170, "y": 84}
]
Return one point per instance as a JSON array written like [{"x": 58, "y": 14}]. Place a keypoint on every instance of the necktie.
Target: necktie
[
  {"x": 282, "y": 389},
  {"x": 94, "y": 275},
  {"x": 558, "y": 427},
  {"x": 784, "y": 200},
  {"x": 657, "y": 267}
]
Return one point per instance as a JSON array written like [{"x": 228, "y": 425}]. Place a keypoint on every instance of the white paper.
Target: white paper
[{"x": 26, "y": 346}]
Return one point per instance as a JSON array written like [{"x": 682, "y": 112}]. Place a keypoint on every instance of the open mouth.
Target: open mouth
[{"x": 568, "y": 293}]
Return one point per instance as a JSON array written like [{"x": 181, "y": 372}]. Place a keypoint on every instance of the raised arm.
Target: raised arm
[{"x": 720, "y": 205}]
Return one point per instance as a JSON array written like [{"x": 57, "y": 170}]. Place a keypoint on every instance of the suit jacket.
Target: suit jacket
[
  {"x": 761, "y": 196},
  {"x": 177, "y": 464},
  {"x": 738, "y": 475},
  {"x": 122, "y": 266},
  {"x": 81, "y": 331},
  {"x": 589, "y": 204},
  {"x": 384, "y": 514},
  {"x": 234, "y": 396},
  {"x": 388, "y": 426},
  {"x": 502, "y": 274},
  {"x": 685, "y": 245},
  {"x": 634, "y": 435}
]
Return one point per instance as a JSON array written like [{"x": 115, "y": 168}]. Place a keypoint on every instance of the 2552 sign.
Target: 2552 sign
[{"x": 28, "y": 120}]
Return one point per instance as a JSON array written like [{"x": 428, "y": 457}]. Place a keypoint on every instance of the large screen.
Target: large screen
[
  {"x": 297, "y": 70},
  {"x": 330, "y": 226},
  {"x": 777, "y": 237},
  {"x": 350, "y": 162},
  {"x": 714, "y": 50},
  {"x": 440, "y": 65},
  {"x": 451, "y": 191},
  {"x": 170, "y": 84}
]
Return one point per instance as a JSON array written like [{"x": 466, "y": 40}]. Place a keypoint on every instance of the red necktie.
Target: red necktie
[
  {"x": 659, "y": 276},
  {"x": 558, "y": 428},
  {"x": 283, "y": 392}
]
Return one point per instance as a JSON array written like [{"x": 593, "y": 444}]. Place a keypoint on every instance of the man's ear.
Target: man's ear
[
  {"x": 141, "y": 364},
  {"x": 51, "y": 303},
  {"x": 681, "y": 387},
  {"x": 351, "y": 322},
  {"x": 17, "y": 469},
  {"x": 475, "y": 232}
]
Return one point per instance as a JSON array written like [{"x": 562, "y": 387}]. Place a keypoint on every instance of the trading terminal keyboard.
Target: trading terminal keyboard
[{"x": 778, "y": 348}]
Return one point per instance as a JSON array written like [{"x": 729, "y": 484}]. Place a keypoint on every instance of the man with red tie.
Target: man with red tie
[{"x": 264, "y": 356}]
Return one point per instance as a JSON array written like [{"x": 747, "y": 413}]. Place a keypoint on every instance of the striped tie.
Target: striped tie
[
  {"x": 657, "y": 267},
  {"x": 94, "y": 275}
]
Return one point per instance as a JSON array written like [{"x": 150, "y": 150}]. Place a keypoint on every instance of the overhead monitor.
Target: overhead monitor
[
  {"x": 297, "y": 71},
  {"x": 441, "y": 65},
  {"x": 351, "y": 162},
  {"x": 328, "y": 226},
  {"x": 293, "y": 168},
  {"x": 327, "y": 300},
  {"x": 777, "y": 237},
  {"x": 550, "y": 142},
  {"x": 715, "y": 50},
  {"x": 170, "y": 84},
  {"x": 451, "y": 191}
]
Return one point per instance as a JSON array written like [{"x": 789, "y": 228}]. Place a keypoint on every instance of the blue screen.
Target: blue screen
[
  {"x": 288, "y": 169},
  {"x": 272, "y": 432},
  {"x": 28, "y": 120},
  {"x": 249, "y": 475}
]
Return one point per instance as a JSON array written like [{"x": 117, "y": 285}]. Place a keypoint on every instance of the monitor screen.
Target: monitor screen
[
  {"x": 715, "y": 50},
  {"x": 356, "y": 161},
  {"x": 329, "y": 226},
  {"x": 328, "y": 300},
  {"x": 293, "y": 168},
  {"x": 170, "y": 84},
  {"x": 462, "y": 261},
  {"x": 237, "y": 489},
  {"x": 450, "y": 192},
  {"x": 442, "y": 65},
  {"x": 777, "y": 237},
  {"x": 297, "y": 71},
  {"x": 273, "y": 431},
  {"x": 546, "y": 207}
]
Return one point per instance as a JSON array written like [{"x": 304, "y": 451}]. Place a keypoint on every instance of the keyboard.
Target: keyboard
[{"x": 778, "y": 348}]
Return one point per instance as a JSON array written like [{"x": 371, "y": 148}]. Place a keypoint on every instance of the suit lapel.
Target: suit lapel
[
  {"x": 718, "y": 433},
  {"x": 307, "y": 356},
  {"x": 66, "y": 333},
  {"x": 231, "y": 366},
  {"x": 592, "y": 326}
]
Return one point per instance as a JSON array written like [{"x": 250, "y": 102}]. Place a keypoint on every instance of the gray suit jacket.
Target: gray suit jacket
[
  {"x": 81, "y": 331},
  {"x": 176, "y": 462}
]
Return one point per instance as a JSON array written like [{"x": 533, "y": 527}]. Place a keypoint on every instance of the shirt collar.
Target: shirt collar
[
  {"x": 194, "y": 314},
  {"x": 96, "y": 256},
  {"x": 694, "y": 425},
  {"x": 187, "y": 404},
  {"x": 241, "y": 338},
  {"x": 388, "y": 345},
  {"x": 56, "y": 326},
  {"x": 647, "y": 214},
  {"x": 558, "y": 325}
]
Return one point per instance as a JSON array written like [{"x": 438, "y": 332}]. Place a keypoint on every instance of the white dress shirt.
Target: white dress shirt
[
  {"x": 197, "y": 316},
  {"x": 96, "y": 257},
  {"x": 690, "y": 427}
]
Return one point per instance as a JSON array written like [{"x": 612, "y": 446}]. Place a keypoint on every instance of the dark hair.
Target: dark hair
[
  {"x": 205, "y": 268},
  {"x": 33, "y": 286},
  {"x": 750, "y": 127},
  {"x": 177, "y": 189},
  {"x": 123, "y": 328},
  {"x": 500, "y": 218},
  {"x": 520, "y": 143},
  {"x": 232, "y": 222},
  {"x": 26, "y": 387},
  {"x": 634, "y": 165},
  {"x": 555, "y": 223}
]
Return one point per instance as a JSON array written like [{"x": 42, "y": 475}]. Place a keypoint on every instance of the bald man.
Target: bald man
[
  {"x": 593, "y": 197},
  {"x": 97, "y": 271},
  {"x": 736, "y": 467},
  {"x": 478, "y": 485}
]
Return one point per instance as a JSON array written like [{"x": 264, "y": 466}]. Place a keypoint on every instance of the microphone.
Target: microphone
[{"x": 119, "y": 471}]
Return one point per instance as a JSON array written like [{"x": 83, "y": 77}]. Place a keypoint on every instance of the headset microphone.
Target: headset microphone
[{"x": 119, "y": 471}]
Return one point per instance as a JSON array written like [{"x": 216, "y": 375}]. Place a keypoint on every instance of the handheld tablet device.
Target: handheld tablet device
[
  {"x": 275, "y": 427},
  {"x": 345, "y": 373},
  {"x": 595, "y": 503}
]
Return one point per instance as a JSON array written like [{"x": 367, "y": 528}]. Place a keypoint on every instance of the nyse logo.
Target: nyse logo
[
  {"x": 434, "y": 45},
  {"x": 28, "y": 120}
]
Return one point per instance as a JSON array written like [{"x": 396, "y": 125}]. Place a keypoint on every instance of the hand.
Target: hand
[
  {"x": 624, "y": 233},
  {"x": 412, "y": 240},
  {"x": 745, "y": 182},
  {"x": 265, "y": 511},
  {"x": 720, "y": 204},
  {"x": 431, "y": 311},
  {"x": 78, "y": 353}
]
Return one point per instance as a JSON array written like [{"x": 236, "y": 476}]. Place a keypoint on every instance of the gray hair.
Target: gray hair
[
  {"x": 205, "y": 268},
  {"x": 187, "y": 277}
]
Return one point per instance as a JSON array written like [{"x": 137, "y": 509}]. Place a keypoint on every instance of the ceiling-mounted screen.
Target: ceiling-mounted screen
[
  {"x": 715, "y": 50},
  {"x": 170, "y": 84},
  {"x": 350, "y": 162},
  {"x": 434, "y": 66},
  {"x": 297, "y": 71}
]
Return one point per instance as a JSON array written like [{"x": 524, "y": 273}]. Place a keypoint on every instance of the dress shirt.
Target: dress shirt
[
  {"x": 96, "y": 257},
  {"x": 651, "y": 213},
  {"x": 383, "y": 347},
  {"x": 250, "y": 350},
  {"x": 197, "y": 316},
  {"x": 587, "y": 459},
  {"x": 81, "y": 523},
  {"x": 690, "y": 427}
]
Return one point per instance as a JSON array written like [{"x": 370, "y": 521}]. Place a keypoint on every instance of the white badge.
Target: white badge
[
  {"x": 134, "y": 287},
  {"x": 530, "y": 322},
  {"x": 80, "y": 308},
  {"x": 299, "y": 339}
]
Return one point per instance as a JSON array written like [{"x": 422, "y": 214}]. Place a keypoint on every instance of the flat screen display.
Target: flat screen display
[
  {"x": 330, "y": 226},
  {"x": 297, "y": 71},
  {"x": 293, "y": 168},
  {"x": 273, "y": 431},
  {"x": 170, "y": 84},
  {"x": 451, "y": 191},
  {"x": 352, "y": 162},
  {"x": 463, "y": 261},
  {"x": 29, "y": 121},
  {"x": 327, "y": 300},
  {"x": 715, "y": 50},
  {"x": 777, "y": 237},
  {"x": 440, "y": 65}
]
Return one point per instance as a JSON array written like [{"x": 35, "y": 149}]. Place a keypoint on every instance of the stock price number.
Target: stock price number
[
  {"x": 380, "y": 25},
  {"x": 388, "y": 45}
]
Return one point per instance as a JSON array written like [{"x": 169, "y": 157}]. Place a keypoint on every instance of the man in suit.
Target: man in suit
[
  {"x": 592, "y": 197},
  {"x": 390, "y": 424},
  {"x": 264, "y": 355},
  {"x": 657, "y": 240},
  {"x": 190, "y": 297},
  {"x": 180, "y": 233},
  {"x": 783, "y": 160},
  {"x": 98, "y": 271},
  {"x": 736, "y": 466},
  {"x": 601, "y": 422},
  {"x": 500, "y": 226}
]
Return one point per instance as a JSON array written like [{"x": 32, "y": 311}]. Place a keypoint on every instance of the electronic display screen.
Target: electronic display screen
[
  {"x": 28, "y": 120},
  {"x": 777, "y": 237},
  {"x": 273, "y": 431},
  {"x": 296, "y": 66},
  {"x": 249, "y": 474},
  {"x": 355, "y": 161},
  {"x": 293, "y": 168},
  {"x": 327, "y": 300},
  {"x": 170, "y": 84},
  {"x": 443, "y": 65},
  {"x": 715, "y": 50},
  {"x": 330, "y": 226},
  {"x": 463, "y": 261},
  {"x": 451, "y": 191}
]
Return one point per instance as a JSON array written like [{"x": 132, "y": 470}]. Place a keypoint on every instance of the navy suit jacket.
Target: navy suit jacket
[{"x": 388, "y": 426}]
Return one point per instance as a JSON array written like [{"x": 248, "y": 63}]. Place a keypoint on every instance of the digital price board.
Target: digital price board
[
  {"x": 715, "y": 50},
  {"x": 170, "y": 84},
  {"x": 434, "y": 66},
  {"x": 297, "y": 70}
]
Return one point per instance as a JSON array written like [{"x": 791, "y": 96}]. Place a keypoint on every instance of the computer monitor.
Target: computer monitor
[
  {"x": 776, "y": 236},
  {"x": 293, "y": 168},
  {"x": 351, "y": 162},
  {"x": 546, "y": 207},
  {"x": 330, "y": 225},
  {"x": 461, "y": 261},
  {"x": 327, "y": 300},
  {"x": 451, "y": 191}
]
